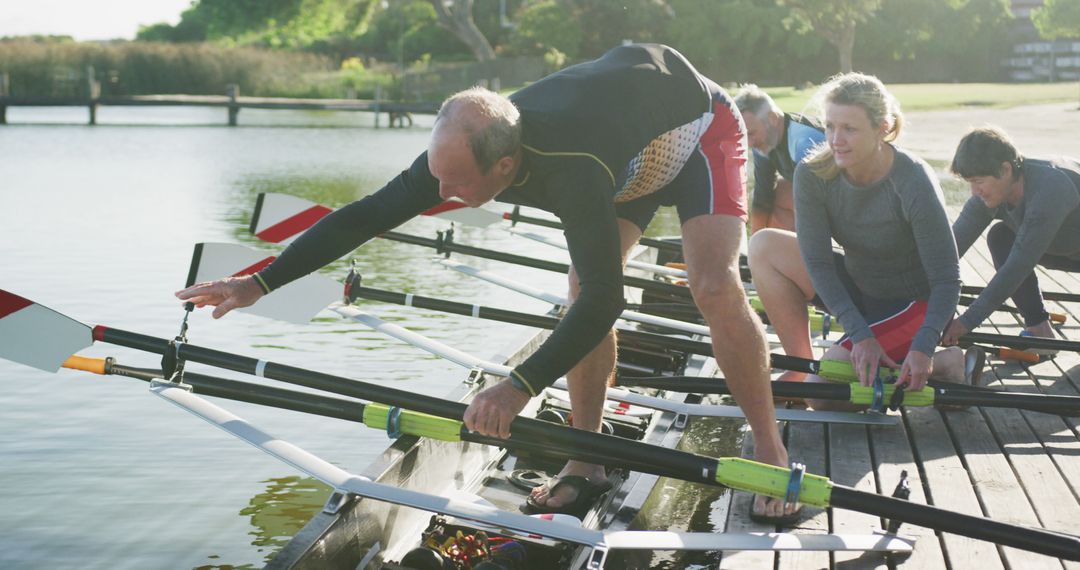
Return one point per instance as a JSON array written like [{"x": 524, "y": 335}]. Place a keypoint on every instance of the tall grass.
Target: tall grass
[{"x": 140, "y": 68}]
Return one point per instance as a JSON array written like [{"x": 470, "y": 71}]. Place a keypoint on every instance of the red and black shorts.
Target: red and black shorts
[
  {"x": 894, "y": 322},
  {"x": 712, "y": 180}
]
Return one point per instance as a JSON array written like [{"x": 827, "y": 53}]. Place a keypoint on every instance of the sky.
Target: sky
[{"x": 86, "y": 19}]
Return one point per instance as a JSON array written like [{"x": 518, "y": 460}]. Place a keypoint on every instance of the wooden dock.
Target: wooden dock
[{"x": 1015, "y": 466}]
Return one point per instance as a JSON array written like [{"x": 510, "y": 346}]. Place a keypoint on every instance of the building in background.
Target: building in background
[{"x": 1036, "y": 59}]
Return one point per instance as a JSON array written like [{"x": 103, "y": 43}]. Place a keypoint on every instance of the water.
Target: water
[{"x": 99, "y": 223}]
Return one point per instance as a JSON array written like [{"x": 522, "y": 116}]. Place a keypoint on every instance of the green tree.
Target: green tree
[
  {"x": 834, "y": 20},
  {"x": 457, "y": 17},
  {"x": 544, "y": 26},
  {"x": 743, "y": 41},
  {"x": 1058, "y": 19},
  {"x": 935, "y": 40}
]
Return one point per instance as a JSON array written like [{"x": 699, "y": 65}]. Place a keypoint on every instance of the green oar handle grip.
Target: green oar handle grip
[
  {"x": 843, "y": 371},
  {"x": 413, "y": 423},
  {"x": 770, "y": 480},
  {"x": 864, "y": 395}
]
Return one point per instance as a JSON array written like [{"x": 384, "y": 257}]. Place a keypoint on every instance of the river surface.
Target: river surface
[{"x": 99, "y": 223}]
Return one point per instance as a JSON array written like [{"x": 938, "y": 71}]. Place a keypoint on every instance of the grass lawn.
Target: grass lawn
[{"x": 940, "y": 96}]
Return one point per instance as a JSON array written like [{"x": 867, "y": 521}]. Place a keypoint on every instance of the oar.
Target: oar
[
  {"x": 220, "y": 258},
  {"x": 683, "y": 409},
  {"x": 1021, "y": 342},
  {"x": 732, "y": 472},
  {"x": 937, "y": 394},
  {"x": 503, "y": 521},
  {"x": 1047, "y": 295},
  {"x": 506, "y": 522},
  {"x": 445, "y": 244},
  {"x": 280, "y": 218},
  {"x": 649, "y": 267},
  {"x": 817, "y": 323}
]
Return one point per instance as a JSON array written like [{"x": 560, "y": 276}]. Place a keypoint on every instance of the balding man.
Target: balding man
[
  {"x": 601, "y": 145},
  {"x": 780, "y": 141}
]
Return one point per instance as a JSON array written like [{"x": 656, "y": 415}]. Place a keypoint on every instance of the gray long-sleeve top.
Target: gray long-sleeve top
[
  {"x": 896, "y": 239},
  {"x": 1046, "y": 221}
]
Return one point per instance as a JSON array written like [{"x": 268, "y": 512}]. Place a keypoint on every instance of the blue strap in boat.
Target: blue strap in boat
[
  {"x": 393, "y": 422},
  {"x": 877, "y": 404},
  {"x": 826, "y": 324},
  {"x": 794, "y": 484}
]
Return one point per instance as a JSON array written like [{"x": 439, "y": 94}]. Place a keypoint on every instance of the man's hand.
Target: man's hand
[
  {"x": 915, "y": 371},
  {"x": 492, "y": 410},
  {"x": 224, "y": 294},
  {"x": 953, "y": 332},
  {"x": 866, "y": 356}
]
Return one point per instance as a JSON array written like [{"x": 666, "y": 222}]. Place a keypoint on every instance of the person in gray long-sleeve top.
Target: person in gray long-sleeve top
[
  {"x": 897, "y": 282},
  {"x": 1038, "y": 204}
]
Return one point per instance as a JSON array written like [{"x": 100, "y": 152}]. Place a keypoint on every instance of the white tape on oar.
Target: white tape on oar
[
  {"x": 260, "y": 369},
  {"x": 408, "y": 299},
  {"x": 484, "y": 513},
  {"x": 619, "y": 395}
]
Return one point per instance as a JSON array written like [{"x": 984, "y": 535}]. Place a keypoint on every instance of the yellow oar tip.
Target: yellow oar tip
[{"x": 86, "y": 364}]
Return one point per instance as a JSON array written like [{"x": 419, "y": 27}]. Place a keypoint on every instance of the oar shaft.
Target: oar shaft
[
  {"x": 1021, "y": 342},
  {"x": 527, "y": 319},
  {"x": 943, "y": 393},
  {"x": 580, "y": 444},
  {"x": 1042, "y": 541},
  {"x": 315, "y": 404},
  {"x": 650, "y": 285},
  {"x": 1047, "y": 295}
]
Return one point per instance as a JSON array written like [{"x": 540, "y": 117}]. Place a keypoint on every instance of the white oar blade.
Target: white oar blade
[
  {"x": 38, "y": 336},
  {"x": 281, "y": 218},
  {"x": 298, "y": 302},
  {"x": 458, "y": 212}
]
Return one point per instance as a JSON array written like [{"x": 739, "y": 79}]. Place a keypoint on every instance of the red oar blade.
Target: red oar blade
[
  {"x": 455, "y": 211},
  {"x": 298, "y": 302},
  {"x": 280, "y": 218},
  {"x": 38, "y": 336}
]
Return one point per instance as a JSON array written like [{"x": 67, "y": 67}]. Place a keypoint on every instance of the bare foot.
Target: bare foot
[
  {"x": 949, "y": 365},
  {"x": 766, "y": 506},
  {"x": 594, "y": 473}
]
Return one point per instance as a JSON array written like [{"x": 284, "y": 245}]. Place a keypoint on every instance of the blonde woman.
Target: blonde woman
[{"x": 897, "y": 282}]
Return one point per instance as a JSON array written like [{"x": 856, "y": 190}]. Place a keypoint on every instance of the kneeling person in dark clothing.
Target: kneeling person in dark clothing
[{"x": 1037, "y": 203}]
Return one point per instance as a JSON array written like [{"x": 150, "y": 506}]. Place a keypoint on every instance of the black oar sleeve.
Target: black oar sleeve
[{"x": 408, "y": 194}]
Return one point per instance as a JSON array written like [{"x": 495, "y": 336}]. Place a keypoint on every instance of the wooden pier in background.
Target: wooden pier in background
[{"x": 399, "y": 114}]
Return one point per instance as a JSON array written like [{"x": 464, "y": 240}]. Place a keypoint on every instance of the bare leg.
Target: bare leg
[
  {"x": 588, "y": 382},
  {"x": 784, "y": 287},
  {"x": 711, "y": 247},
  {"x": 783, "y": 213}
]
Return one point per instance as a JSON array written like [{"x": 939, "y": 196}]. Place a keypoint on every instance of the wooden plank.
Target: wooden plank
[
  {"x": 850, "y": 464},
  {"x": 806, "y": 444},
  {"x": 739, "y": 521},
  {"x": 1048, "y": 473},
  {"x": 948, "y": 485},
  {"x": 891, "y": 450}
]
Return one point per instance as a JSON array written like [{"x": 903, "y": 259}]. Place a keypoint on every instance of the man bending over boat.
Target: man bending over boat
[
  {"x": 601, "y": 145},
  {"x": 1038, "y": 204}
]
